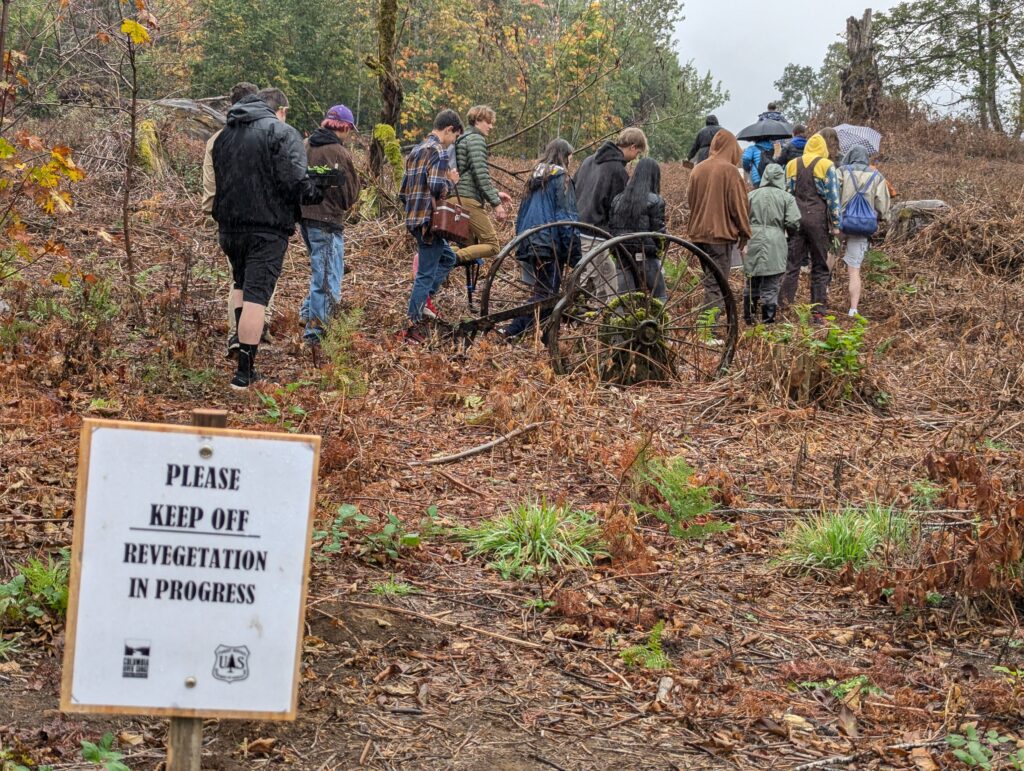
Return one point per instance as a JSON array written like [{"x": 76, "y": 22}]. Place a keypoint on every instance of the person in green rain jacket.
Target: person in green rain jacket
[{"x": 773, "y": 214}]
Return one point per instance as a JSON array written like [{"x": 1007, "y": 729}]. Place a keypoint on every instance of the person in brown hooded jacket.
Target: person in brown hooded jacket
[{"x": 719, "y": 214}]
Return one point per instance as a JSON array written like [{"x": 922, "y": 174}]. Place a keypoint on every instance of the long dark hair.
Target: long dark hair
[
  {"x": 555, "y": 154},
  {"x": 646, "y": 179}
]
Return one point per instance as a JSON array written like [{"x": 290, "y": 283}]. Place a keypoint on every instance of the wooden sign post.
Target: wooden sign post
[{"x": 189, "y": 566}]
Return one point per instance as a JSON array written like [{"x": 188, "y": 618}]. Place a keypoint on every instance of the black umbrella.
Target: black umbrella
[{"x": 766, "y": 130}]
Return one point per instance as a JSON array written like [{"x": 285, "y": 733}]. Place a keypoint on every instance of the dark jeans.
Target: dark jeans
[
  {"x": 721, "y": 255},
  {"x": 813, "y": 238},
  {"x": 436, "y": 259}
]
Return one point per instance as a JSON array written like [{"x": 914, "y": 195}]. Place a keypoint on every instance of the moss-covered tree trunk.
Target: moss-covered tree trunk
[{"x": 388, "y": 81}]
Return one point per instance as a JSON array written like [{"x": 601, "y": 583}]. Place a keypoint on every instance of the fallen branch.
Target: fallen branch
[
  {"x": 444, "y": 622},
  {"x": 476, "y": 450},
  {"x": 457, "y": 483}
]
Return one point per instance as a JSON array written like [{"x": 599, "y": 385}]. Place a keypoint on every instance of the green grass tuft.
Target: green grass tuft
[
  {"x": 832, "y": 540},
  {"x": 533, "y": 537}
]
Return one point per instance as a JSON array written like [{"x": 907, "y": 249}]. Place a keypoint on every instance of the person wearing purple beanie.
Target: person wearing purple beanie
[{"x": 323, "y": 224}]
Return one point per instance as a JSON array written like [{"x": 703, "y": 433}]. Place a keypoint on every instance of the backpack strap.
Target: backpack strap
[{"x": 867, "y": 185}]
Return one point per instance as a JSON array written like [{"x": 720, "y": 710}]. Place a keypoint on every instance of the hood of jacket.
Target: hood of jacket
[
  {"x": 323, "y": 136},
  {"x": 799, "y": 143},
  {"x": 609, "y": 152},
  {"x": 764, "y": 144},
  {"x": 249, "y": 110},
  {"x": 816, "y": 147},
  {"x": 724, "y": 147},
  {"x": 857, "y": 156},
  {"x": 543, "y": 173},
  {"x": 773, "y": 176}
]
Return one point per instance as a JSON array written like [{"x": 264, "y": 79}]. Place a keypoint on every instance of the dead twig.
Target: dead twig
[{"x": 476, "y": 450}]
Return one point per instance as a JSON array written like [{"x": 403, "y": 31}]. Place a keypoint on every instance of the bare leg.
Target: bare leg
[
  {"x": 854, "y": 287},
  {"x": 250, "y": 327},
  {"x": 234, "y": 301}
]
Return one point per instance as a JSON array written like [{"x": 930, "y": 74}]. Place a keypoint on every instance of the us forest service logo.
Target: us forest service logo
[{"x": 231, "y": 663}]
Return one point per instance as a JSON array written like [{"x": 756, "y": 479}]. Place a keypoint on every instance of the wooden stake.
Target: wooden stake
[{"x": 185, "y": 739}]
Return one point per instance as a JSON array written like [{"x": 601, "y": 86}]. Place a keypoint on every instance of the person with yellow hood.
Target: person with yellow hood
[
  {"x": 813, "y": 181},
  {"x": 719, "y": 218}
]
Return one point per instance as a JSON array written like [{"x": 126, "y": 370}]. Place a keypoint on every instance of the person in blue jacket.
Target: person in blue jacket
[
  {"x": 550, "y": 196},
  {"x": 755, "y": 158}
]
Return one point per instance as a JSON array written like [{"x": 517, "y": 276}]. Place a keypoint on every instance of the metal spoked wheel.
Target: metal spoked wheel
[
  {"x": 651, "y": 330},
  {"x": 522, "y": 285}
]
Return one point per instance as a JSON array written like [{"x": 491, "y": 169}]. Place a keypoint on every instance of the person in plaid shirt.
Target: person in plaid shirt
[{"x": 428, "y": 177}]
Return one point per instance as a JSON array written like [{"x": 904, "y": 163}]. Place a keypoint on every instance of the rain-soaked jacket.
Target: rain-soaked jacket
[
  {"x": 550, "y": 197},
  {"x": 826, "y": 181},
  {"x": 718, "y": 195},
  {"x": 260, "y": 167},
  {"x": 773, "y": 212}
]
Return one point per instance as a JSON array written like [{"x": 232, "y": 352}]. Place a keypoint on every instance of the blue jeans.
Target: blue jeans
[
  {"x": 326, "y": 269},
  {"x": 435, "y": 262},
  {"x": 544, "y": 273}
]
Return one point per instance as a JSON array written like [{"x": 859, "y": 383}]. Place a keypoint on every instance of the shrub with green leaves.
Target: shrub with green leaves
[
  {"x": 833, "y": 539},
  {"x": 103, "y": 754},
  {"x": 976, "y": 750},
  {"x": 682, "y": 502},
  {"x": 534, "y": 537},
  {"x": 37, "y": 590},
  {"x": 649, "y": 655}
]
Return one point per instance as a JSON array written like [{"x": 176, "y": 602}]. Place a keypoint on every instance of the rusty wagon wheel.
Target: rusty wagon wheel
[
  {"x": 636, "y": 336},
  {"x": 509, "y": 290}
]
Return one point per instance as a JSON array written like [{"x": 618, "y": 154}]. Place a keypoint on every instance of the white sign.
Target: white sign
[{"x": 189, "y": 569}]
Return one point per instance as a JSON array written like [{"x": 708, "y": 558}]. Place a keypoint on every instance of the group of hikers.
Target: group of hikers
[{"x": 261, "y": 179}]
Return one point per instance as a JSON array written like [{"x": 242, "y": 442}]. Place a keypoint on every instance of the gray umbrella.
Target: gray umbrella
[{"x": 767, "y": 130}]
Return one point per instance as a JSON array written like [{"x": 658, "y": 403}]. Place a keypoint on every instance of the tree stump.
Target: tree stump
[{"x": 860, "y": 84}]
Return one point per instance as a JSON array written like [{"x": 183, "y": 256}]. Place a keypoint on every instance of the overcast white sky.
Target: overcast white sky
[{"x": 746, "y": 44}]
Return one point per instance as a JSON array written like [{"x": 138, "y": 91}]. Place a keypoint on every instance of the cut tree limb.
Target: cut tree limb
[
  {"x": 445, "y": 622},
  {"x": 476, "y": 450}
]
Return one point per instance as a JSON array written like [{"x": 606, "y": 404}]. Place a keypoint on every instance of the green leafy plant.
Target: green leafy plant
[
  {"x": 277, "y": 410},
  {"x": 533, "y": 537},
  {"x": 924, "y": 493},
  {"x": 103, "y": 754},
  {"x": 538, "y": 604},
  {"x": 390, "y": 542},
  {"x": 649, "y": 655},
  {"x": 393, "y": 588},
  {"x": 347, "y": 516},
  {"x": 842, "y": 689},
  {"x": 995, "y": 445},
  {"x": 706, "y": 322},
  {"x": 338, "y": 346},
  {"x": 684, "y": 504},
  {"x": 831, "y": 540},
  {"x": 980, "y": 750},
  {"x": 38, "y": 588},
  {"x": 877, "y": 266}
]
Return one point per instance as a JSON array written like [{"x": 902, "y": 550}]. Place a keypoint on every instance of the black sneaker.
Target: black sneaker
[
  {"x": 242, "y": 380},
  {"x": 233, "y": 346}
]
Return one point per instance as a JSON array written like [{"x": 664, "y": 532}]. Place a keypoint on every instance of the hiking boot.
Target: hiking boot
[
  {"x": 429, "y": 311},
  {"x": 749, "y": 310},
  {"x": 818, "y": 319},
  {"x": 768, "y": 314},
  {"x": 232, "y": 346}
]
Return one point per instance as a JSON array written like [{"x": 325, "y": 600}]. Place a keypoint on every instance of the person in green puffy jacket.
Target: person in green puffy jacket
[
  {"x": 773, "y": 214},
  {"x": 476, "y": 188}
]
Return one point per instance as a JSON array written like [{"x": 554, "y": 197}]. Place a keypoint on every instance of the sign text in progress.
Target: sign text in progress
[{"x": 189, "y": 571}]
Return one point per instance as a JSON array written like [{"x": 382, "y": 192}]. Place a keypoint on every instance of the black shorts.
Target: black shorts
[{"x": 256, "y": 260}]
